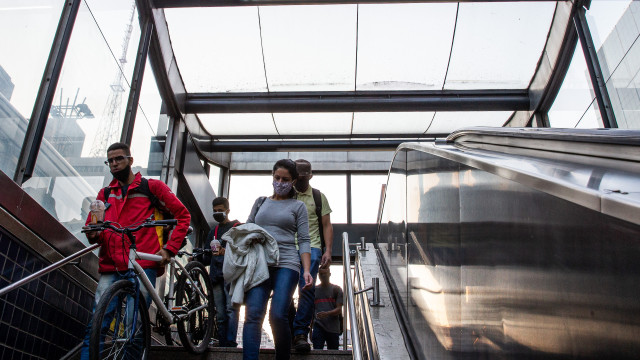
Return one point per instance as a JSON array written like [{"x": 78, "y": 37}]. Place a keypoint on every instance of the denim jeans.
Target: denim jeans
[
  {"x": 220, "y": 301},
  {"x": 233, "y": 314},
  {"x": 282, "y": 282},
  {"x": 306, "y": 298},
  {"x": 320, "y": 335},
  {"x": 226, "y": 316},
  {"x": 106, "y": 280}
]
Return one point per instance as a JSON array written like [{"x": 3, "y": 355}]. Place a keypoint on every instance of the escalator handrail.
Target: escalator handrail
[{"x": 349, "y": 305}]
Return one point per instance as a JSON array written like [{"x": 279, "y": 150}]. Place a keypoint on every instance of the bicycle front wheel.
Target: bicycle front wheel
[
  {"x": 119, "y": 331},
  {"x": 195, "y": 329}
]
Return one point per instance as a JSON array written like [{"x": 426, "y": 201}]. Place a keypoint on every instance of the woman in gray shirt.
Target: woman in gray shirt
[{"x": 283, "y": 217}]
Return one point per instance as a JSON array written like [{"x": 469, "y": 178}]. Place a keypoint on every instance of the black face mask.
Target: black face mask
[
  {"x": 122, "y": 175},
  {"x": 302, "y": 184},
  {"x": 219, "y": 216}
]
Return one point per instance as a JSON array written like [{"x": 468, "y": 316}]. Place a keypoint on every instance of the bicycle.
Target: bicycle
[{"x": 120, "y": 323}]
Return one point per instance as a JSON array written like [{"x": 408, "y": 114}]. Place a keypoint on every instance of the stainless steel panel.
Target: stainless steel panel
[{"x": 489, "y": 267}]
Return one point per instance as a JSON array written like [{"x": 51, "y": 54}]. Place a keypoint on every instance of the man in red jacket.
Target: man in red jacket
[{"x": 128, "y": 205}]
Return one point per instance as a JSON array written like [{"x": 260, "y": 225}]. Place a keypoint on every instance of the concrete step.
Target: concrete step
[{"x": 175, "y": 352}]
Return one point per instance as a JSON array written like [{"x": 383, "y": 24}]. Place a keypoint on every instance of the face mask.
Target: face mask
[
  {"x": 122, "y": 175},
  {"x": 282, "y": 188},
  {"x": 302, "y": 184},
  {"x": 219, "y": 216}
]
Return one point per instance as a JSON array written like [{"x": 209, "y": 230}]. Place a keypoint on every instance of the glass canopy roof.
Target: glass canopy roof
[{"x": 386, "y": 47}]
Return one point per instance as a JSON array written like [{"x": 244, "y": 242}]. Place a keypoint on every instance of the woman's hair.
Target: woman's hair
[{"x": 290, "y": 166}]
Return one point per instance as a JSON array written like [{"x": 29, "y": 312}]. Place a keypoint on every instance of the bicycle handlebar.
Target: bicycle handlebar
[{"x": 107, "y": 225}]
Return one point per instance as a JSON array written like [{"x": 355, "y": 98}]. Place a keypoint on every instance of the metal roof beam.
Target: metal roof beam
[
  {"x": 275, "y": 146},
  {"x": 219, "y": 3},
  {"x": 358, "y": 101}
]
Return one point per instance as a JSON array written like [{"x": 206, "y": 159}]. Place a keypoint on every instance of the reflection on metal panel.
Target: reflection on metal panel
[{"x": 490, "y": 267}]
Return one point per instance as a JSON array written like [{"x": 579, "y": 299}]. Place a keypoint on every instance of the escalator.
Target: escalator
[{"x": 515, "y": 243}]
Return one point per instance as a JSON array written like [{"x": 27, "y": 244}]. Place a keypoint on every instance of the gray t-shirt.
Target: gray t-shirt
[
  {"x": 327, "y": 298},
  {"x": 283, "y": 219}
]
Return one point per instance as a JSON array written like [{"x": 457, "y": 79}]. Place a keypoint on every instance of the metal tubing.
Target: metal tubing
[
  {"x": 152, "y": 291},
  {"x": 376, "y": 291},
  {"x": 136, "y": 83},
  {"x": 48, "y": 269},
  {"x": 595, "y": 71},
  {"x": 38, "y": 121},
  {"x": 348, "y": 284}
]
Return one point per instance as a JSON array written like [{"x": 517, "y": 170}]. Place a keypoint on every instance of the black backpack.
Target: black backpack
[{"x": 160, "y": 211}]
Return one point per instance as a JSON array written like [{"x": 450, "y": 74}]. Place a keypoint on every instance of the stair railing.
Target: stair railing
[
  {"x": 356, "y": 313},
  {"x": 48, "y": 269}
]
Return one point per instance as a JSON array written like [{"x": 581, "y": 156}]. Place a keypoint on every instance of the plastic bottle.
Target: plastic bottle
[{"x": 97, "y": 211}]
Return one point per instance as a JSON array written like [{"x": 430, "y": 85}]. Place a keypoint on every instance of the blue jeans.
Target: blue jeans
[
  {"x": 232, "y": 317},
  {"x": 106, "y": 280},
  {"x": 306, "y": 298},
  {"x": 320, "y": 335},
  {"x": 282, "y": 282},
  {"x": 226, "y": 316}
]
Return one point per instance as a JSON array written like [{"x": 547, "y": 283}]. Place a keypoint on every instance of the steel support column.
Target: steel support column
[
  {"x": 136, "y": 82},
  {"x": 46, "y": 92},
  {"x": 595, "y": 71}
]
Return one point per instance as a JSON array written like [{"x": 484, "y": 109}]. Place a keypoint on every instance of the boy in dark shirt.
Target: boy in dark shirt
[
  {"x": 328, "y": 304},
  {"x": 227, "y": 317}
]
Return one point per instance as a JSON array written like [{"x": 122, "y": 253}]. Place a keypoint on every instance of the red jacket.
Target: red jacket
[{"x": 133, "y": 209}]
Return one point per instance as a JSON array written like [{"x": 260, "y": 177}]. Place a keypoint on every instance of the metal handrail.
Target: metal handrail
[
  {"x": 360, "y": 320},
  {"x": 349, "y": 305},
  {"x": 48, "y": 269}
]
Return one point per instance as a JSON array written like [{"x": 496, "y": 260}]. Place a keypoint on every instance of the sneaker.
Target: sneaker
[{"x": 300, "y": 344}]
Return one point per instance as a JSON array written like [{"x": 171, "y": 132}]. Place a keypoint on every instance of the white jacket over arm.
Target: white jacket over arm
[{"x": 249, "y": 253}]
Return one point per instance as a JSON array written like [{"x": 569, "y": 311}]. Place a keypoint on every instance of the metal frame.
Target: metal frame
[
  {"x": 46, "y": 92},
  {"x": 358, "y": 101},
  {"x": 218, "y": 3},
  {"x": 306, "y": 145},
  {"x": 552, "y": 67},
  {"x": 595, "y": 71},
  {"x": 136, "y": 83}
]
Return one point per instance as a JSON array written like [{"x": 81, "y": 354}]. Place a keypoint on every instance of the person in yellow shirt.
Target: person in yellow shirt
[{"x": 321, "y": 235}]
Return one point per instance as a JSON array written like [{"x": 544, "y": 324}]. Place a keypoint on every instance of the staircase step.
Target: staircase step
[{"x": 175, "y": 352}]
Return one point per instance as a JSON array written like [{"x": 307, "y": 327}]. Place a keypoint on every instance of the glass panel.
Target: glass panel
[
  {"x": 591, "y": 118},
  {"x": 334, "y": 188},
  {"x": 391, "y": 123},
  {"x": 150, "y": 130},
  {"x": 85, "y": 118},
  {"x": 613, "y": 30},
  {"x": 217, "y": 49},
  {"x": 214, "y": 178},
  {"x": 310, "y": 48},
  {"x": 447, "y": 122},
  {"x": 397, "y": 49},
  {"x": 238, "y": 124},
  {"x": 313, "y": 123},
  {"x": 498, "y": 45},
  {"x": 243, "y": 192},
  {"x": 364, "y": 202},
  {"x": 21, "y": 67},
  {"x": 575, "y": 95},
  {"x": 619, "y": 55}
]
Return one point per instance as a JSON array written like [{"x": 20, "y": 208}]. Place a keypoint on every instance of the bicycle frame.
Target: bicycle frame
[{"x": 137, "y": 269}]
